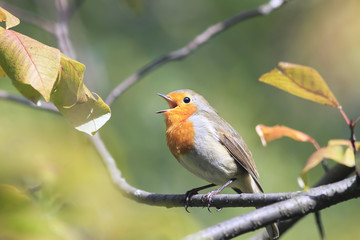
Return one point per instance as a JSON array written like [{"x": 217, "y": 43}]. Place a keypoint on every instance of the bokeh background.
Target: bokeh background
[{"x": 55, "y": 186}]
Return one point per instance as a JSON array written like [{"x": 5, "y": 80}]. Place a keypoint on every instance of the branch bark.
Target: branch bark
[
  {"x": 196, "y": 43},
  {"x": 313, "y": 200},
  {"x": 337, "y": 173}
]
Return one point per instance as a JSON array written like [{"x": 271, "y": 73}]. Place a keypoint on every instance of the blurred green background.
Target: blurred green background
[{"x": 55, "y": 186}]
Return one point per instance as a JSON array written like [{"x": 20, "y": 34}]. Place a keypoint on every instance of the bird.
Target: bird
[{"x": 209, "y": 147}]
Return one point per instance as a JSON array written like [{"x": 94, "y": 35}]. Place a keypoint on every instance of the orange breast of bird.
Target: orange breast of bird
[{"x": 179, "y": 130}]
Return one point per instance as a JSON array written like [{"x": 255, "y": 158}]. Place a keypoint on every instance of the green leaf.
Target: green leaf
[
  {"x": 11, "y": 198},
  {"x": 32, "y": 66},
  {"x": 301, "y": 81},
  {"x": 78, "y": 105},
  {"x": 136, "y": 5},
  {"x": 2, "y": 73},
  {"x": 10, "y": 20}
]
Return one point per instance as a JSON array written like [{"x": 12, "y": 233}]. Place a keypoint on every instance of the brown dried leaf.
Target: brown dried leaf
[{"x": 268, "y": 134}]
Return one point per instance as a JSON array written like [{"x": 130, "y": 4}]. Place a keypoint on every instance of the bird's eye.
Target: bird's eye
[{"x": 186, "y": 100}]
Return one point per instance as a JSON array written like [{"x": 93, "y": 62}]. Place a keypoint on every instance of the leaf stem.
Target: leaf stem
[{"x": 344, "y": 115}]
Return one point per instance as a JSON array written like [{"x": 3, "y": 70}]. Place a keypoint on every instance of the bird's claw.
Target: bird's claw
[
  {"x": 188, "y": 196},
  {"x": 208, "y": 197}
]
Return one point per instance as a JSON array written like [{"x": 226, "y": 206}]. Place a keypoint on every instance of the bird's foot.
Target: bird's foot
[
  {"x": 208, "y": 197},
  {"x": 193, "y": 192},
  {"x": 188, "y": 195}
]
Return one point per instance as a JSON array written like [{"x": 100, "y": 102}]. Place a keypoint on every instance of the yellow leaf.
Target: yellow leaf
[
  {"x": 341, "y": 154},
  {"x": 348, "y": 158},
  {"x": 27, "y": 91},
  {"x": 71, "y": 78},
  {"x": 268, "y": 134},
  {"x": 343, "y": 142},
  {"x": 357, "y": 163},
  {"x": 301, "y": 81},
  {"x": 31, "y": 65},
  {"x": 2, "y": 73},
  {"x": 12, "y": 198},
  {"x": 337, "y": 153},
  {"x": 10, "y": 20},
  {"x": 75, "y": 102}
]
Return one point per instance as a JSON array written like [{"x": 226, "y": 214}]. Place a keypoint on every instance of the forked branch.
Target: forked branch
[{"x": 196, "y": 43}]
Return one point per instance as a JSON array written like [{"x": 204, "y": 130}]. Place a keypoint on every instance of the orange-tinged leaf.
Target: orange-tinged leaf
[
  {"x": 268, "y": 134},
  {"x": 10, "y": 20},
  {"x": 30, "y": 63},
  {"x": 301, "y": 81}
]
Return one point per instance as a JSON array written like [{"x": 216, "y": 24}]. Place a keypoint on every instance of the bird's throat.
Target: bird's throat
[{"x": 179, "y": 133}]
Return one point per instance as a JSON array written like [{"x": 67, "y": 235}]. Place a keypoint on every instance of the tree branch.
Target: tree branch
[
  {"x": 166, "y": 200},
  {"x": 62, "y": 28},
  {"x": 22, "y": 100},
  {"x": 337, "y": 173},
  {"x": 313, "y": 200},
  {"x": 196, "y": 43}
]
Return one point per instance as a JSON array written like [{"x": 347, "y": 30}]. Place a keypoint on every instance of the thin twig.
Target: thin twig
[
  {"x": 29, "y": 17},
  {"x": 320, "y": 225},
  {"x": 344, "y": 115},
  {"x": 62, "y": 29},
  {"x": 357, "y": 121},
  {"x": 197, "y": 42},
  {"x": 352, "y": 136},
  {"x": 74, "y": 6},
  {"x": 42, "y": 105}
]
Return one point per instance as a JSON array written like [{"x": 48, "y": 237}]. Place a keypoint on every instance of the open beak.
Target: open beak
[{"x": 171, "y": 102}]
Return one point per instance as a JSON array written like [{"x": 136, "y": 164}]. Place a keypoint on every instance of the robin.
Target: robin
[{"x": 206, "y": 145}]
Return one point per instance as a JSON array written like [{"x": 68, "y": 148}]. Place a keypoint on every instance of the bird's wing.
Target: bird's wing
[{"x": 240, "y": 152}]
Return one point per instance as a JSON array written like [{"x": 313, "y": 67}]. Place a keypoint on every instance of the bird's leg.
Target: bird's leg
[
  {"x": 209, "y": 195},
  {"x": 194, "y": 191}
]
